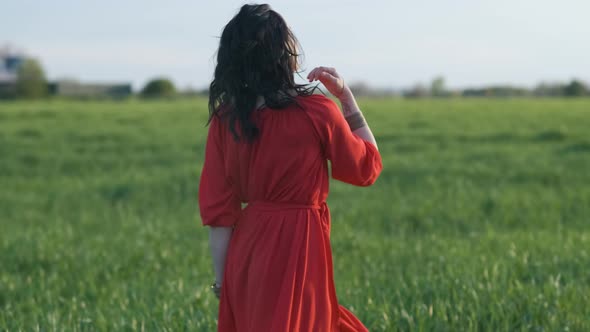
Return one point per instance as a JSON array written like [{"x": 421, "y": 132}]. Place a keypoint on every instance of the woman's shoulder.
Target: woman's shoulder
[
  {"x": 318, "y": 103},
  {"x": 321, "y": 110},
  {"x": 316, "y": 99}
]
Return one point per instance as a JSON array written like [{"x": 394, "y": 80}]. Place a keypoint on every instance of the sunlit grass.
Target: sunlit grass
[{"x": 480, "y": 220}]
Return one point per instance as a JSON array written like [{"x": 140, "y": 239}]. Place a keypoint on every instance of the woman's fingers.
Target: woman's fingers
[
  {"x": 313, "y": 75},
  {"x": 329, "y": 77},
  {"x": 316, "y": 72}
]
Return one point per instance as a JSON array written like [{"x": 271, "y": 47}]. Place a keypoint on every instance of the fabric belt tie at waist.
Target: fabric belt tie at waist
[
  {"x": 282, "y": 206},
  {"x": 269, "y": 205}
]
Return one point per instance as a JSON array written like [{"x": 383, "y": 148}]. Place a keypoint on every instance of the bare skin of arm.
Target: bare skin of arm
[
  {"x": 337, "y": 87},
  {"x": 218, "y": 242}
]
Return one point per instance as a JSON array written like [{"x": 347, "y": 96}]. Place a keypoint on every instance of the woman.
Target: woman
[{"x": 268, "y": 144}]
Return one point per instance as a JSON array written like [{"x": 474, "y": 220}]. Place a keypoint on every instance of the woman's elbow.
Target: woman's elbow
[
  {"x": 373, "y": 174},
  {"x": 369, "y": 181}
]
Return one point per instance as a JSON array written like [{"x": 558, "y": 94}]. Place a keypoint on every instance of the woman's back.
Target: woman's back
[{"x": 288, "y": 161}]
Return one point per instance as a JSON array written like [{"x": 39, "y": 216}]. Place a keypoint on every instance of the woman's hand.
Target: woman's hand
[
  {"x": 350, "y": 109},
  {"x": 330, "y": 79},
  {"x": 216, "y": 288}
]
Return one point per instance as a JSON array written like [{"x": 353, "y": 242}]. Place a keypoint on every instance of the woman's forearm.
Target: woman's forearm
[
  {"x": 218, "y": 242},
  {"x": 350, "y": 107}
]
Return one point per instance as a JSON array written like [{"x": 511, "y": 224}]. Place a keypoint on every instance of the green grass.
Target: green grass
[{"x": 480, "y": 220}]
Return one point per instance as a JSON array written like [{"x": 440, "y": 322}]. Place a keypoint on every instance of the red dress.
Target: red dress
[{"x": 278, "y": 274}]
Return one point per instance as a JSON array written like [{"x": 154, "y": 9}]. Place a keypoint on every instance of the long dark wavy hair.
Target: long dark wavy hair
[{"x": 258, "y": 55}]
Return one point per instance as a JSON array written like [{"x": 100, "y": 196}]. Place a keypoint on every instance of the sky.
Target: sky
[{"x": 388, "y": 44}]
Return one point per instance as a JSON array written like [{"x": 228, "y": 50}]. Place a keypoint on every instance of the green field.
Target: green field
[{"x": 480, "y": 220}]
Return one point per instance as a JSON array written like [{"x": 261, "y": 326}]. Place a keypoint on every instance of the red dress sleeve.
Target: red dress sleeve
[
  {"x": 353, "y": 160},
  {"x": 219, "y": 205}
]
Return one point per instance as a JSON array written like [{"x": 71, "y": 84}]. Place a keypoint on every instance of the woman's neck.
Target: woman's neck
[{"x": 260, "y": 99}]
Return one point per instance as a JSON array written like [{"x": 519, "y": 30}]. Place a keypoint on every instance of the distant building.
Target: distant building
[
  {"x": 10, "y": 62},
  {"x": 74, "y": 89}
]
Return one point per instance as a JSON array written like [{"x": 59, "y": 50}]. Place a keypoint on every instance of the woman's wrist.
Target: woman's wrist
[
  {"x": 348, "y": 103},
  {"x": 346, "y": 94}
]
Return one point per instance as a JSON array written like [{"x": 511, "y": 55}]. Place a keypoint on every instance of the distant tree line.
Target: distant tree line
[
  {"x": 31, "y": 83},
  {"x": 575, "y": 88}
]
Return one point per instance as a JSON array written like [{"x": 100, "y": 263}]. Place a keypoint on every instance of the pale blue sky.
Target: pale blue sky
[{"x": 390, "y": 44}]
